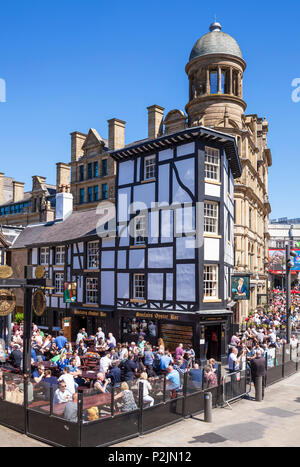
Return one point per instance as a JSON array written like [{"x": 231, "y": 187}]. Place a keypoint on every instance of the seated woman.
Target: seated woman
[
  {"x": 127, "y": 398},
  {"x": 146, "y": 388}
]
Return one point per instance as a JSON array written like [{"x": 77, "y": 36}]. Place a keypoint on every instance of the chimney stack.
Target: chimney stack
[
  {"x": 155, "y": 119},
  {"x": 116, "y": 134},
  {"x": 64, "y": 205},
  {"x": 18, "y": 191},
  {"x": 62, "y": 177},
  {"x": 77, "y": 140}
]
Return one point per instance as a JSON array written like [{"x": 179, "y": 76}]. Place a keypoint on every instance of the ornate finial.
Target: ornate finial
[{"x": 215, "y": 26}]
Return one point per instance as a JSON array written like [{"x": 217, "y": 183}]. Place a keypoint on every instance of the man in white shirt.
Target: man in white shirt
[
  {"x": 112, "y": 339},
  {"x": 80, "y": 337},
  {"x": 68, "y": 378},
  {"x": 61, "y": 394},
  {"x": 234, "y": 360},
  {"x": 100, "y": 335},
  {"x": 105, "y": 363}
]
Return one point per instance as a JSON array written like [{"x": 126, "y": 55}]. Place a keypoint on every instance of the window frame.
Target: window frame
[
  {"x": 91, "y": 291},
  {"x": 93, "y": 257},
  {"x": 213, "y": 289},
  {"x": 213, "y": 221},
  {"x": 136, "y": 294},
  {"x": 44, "y": 255},
  {"x": 60, "y": 255},
  {"x": 59, "y": 280},
  {"x": 212, "y": 167},
  {"x": 151, "y": 167}
]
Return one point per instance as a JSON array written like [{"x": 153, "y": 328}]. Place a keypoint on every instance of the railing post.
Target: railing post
[
  {"x": 283, "y": 360},
  {"x": 185, "y": 381},
  {"x": 164, "y": 395},
  {"x": 79, "y": 415},
  {"x": 4, "y": 387},
  {"x": 25, "y": 383},
  {"x": 203, "y": 380},
  {"x": 219, "y": 384},
  {"x": 51, "y": 400},
  {"x": 141, "y": 408},
  {"x": 112, "y": 406}
]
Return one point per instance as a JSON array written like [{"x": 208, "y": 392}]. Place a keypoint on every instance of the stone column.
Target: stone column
[
  {"x": 207, "y": 82},
  {"x": 219, "y": 80},
  {"x": 230, "y": 80}
]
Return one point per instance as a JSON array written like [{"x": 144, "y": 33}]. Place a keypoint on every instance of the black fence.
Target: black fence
[{"x": 103, "y": 419}]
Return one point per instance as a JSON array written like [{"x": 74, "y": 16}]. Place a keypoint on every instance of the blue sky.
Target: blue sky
[{"x": 73, "y": 64}]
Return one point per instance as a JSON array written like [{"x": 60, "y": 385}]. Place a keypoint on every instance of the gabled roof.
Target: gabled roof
[
  {"x": 93, "y": 139},
  {"x": 78, "y": 226}
]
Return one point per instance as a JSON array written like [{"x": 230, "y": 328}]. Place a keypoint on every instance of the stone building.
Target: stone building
[
  {"x": 38, "y": 205},
  {"x": 92, "y": 169}
]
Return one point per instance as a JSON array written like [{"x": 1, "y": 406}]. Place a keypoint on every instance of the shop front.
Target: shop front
[
  {"x": 208, "y": 334},
  {"x": 88, "y": 319}
]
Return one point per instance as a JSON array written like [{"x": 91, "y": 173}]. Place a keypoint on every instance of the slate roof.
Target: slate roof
[{"x": 79, "y": 225}]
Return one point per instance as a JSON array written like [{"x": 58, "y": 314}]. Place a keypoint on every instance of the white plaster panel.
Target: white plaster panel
[
  {"x": 185, "y": 282},
  {"x": 179, "y": 195},
  {"x": 54, "y": 302},
  {"x": 186, "y": 171},
  {"x": 80, "y": 289},
  {"x": 80, "y": 247},
  {"x": 34, "y": 256},
  {"x": 165, "y": 155},
  {"x": 51, "y": 256},
  {"x": 144, "y": 194},
  {"x": 76, "y": 264},
  {"x": 121, "y": 259},
  {"x": 153, "y": 226},
  {"x": 108, "y": 243},
  {"x": 124, "y": 199},
  {"x": 211, "y": 249},
  {"x": 126, "y": 172},
  {"x": 47, "y": 301},
  {"x": 212, "y": 190},
  {"x": 123, "y": 234},
  {"x": 167, "y": 225},
  {"x": 69, "y": 255},
  {"x": 107, "y": 287},
  {"x": 184, "y": 248},
  {"x": 138, "y": 169},
  {"x": 69, "y": 274},
  {"x": 163, "y": 183},
  {"x": 108, "y": 260},
  {"x": 137, "y": 259},
  {"x": 123, "y": 285},
  {"x": 169, "y": 285},
  {"x": 185, "y": 149},
  {"x": 155, "y": 286},
  {"x": 160, "y": 257}
]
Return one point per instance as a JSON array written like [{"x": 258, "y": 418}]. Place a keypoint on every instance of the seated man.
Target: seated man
[
  {"x": 196, "y": 376},
  {"x": 173, "y": 378},
  {"x": 38, "y": 374},
  {"x": 101, "y": 383},
  {"x": 61, "y": 394},
  {"x": 16, "y": 357},
  {"x": 115, "y": 374},
  {"x": 49, "y": 381}
]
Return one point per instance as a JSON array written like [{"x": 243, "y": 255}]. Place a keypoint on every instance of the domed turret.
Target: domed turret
[
  {"x": 215, "y": 70},
  {"x": 216, "y": 42}
]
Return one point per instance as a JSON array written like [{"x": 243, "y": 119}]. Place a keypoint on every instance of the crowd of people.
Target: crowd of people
[
  {"x": 266, "y": 330},
  {"x": 62, "y": 365}
]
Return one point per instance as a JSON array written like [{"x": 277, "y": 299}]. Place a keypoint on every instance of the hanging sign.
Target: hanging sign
[
  {"x": 7, "y": 302},
  {"x": 38, "y": 302}
]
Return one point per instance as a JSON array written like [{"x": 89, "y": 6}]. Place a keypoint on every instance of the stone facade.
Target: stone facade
[{"x": 92, "y": 169}]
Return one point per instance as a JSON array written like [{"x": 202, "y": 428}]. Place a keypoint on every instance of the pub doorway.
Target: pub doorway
[{"x": 213, "y": 342}]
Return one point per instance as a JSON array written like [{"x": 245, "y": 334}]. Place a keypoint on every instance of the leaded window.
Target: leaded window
[
  {"x": 93, "y": 255},
  {"x": 210, "y": 281},
  {"x": 212, "y": 164},
  {"x": 211, "y": 220}
]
